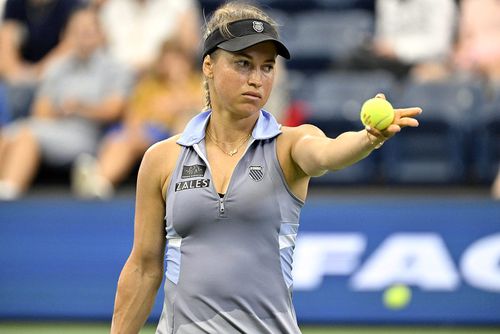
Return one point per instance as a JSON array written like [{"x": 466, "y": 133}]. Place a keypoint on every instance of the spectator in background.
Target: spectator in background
[
  {"x": 30, "y": 36},
  {"x": 95, "y": 4},
  {"x": 2, "y": 6},
  {"x": 408, "y": 33},
  {"x": 82, "y": 92},
  {"x": 162, "y": 102},
  {"x": 136, "y": 28},
  {"x": 478, "y": 46},
  {"x": 478, "y": 50}
]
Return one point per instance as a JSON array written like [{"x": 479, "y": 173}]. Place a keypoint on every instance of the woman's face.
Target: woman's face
[
  {"x": 241, "y": 82},
  {"x": 174, "y": 66}
]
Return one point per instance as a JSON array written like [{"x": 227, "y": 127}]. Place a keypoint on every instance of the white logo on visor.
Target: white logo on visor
[{"x": 258, "y": 26}]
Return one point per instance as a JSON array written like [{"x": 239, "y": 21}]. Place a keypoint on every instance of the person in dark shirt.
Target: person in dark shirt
[{"x": 31, "y": 37}]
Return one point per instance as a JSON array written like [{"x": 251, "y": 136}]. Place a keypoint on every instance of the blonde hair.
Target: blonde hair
[{"x": 224, "y": 15}]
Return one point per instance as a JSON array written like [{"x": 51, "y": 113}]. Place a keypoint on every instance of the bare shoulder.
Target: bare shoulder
[
  {"x": 163, "y": 149},
  {"x": 160, "y": 159},
  {"x": 304, "y": 129},
  {"x": 295, "y": 177},
  {"x": 293, "y": 134}
]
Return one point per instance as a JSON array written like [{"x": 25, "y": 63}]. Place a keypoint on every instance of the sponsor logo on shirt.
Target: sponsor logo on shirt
[
  {"x": 192, "y": 184},
  {"x": 193, "y": 171}
]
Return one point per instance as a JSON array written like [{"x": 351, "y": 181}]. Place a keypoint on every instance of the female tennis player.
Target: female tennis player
[{"x": 225, "y": 195}]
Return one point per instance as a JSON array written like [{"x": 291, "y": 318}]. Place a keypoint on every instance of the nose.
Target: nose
[{"x": 255, "y": 78}]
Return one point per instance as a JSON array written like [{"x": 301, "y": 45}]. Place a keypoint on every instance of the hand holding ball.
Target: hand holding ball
[{"x": 377, "y": 113}]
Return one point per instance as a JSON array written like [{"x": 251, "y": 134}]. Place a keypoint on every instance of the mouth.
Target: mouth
[{"x": 252, "y": 95}]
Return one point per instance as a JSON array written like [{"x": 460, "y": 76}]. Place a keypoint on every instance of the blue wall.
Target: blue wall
[{"x": 61, "y": 259}]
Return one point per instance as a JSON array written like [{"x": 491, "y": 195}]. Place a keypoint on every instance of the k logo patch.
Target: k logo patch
[
  {"x": 256, "y": 173},
  {"x": 258, "y": 26}
]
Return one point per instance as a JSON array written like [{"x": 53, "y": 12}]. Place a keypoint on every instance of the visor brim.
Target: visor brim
[{"x": 244, "y": 42}]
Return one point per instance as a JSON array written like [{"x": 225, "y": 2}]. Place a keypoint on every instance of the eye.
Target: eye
[
  {"x": 243, "y": 63},
  {"x": 268, "y": 68}
]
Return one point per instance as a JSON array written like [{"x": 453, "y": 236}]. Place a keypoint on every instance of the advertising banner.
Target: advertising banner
[
  {"x": 430, "y": 261},
  {"x": 356, "y": 261}
]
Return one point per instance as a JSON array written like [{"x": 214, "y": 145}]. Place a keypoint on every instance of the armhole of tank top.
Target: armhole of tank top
[
  {"x": 182, "y": 152},
  {"x": 277, "y": 165}
]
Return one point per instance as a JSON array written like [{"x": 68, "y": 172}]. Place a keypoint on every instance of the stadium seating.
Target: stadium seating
[
  {"x": 339, "y": 95},
  {"x": 436, "y": 152},
  {"x": 486, "y": 137},
  {"x": 318, "y": 39},
  {"x": 335, "y": 99},
  {"x": 345, "y": 4}
]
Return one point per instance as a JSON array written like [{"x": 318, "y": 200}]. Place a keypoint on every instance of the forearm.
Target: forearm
[
  {"x": 347, "y": 149},
  {"x": 43, "y": 108},
  {"x": 9, "y": 55},
  {"x": 135, "y": 297},
  {"x": 105, "y": 112}
]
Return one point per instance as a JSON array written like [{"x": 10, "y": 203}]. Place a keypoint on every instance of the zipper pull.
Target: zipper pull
[{"x": 221, "y": 206}]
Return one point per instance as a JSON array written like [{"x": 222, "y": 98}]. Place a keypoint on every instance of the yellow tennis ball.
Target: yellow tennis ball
[
  {"x": 397, "y": 296},
  {"x": 377, "y": 113}
]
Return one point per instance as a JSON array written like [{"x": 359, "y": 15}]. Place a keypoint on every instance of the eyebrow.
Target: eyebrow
[{"x": 243, "y": 54}]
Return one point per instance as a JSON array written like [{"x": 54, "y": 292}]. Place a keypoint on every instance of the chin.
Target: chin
[{"x": 247, "y": 110}]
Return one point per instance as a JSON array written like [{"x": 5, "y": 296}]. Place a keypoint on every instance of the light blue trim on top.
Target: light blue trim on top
[
  {"x": 286, "y": 258},
  {"x": 266, "y": 127},
  {"x": 173, "y": 256},
  {"x": 173, "y": 264},
  {"x": 287, "y": 238},
  {"x": 289, "y": 228}
]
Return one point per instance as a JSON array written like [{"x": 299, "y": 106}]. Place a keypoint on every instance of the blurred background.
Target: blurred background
[{"x": 405, "y": 241}]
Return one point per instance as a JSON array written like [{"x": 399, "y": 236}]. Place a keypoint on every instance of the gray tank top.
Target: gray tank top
[{"x": 229, "y": 259}]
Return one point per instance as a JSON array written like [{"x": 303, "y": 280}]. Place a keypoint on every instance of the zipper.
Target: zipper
[{"x": 222, "y": 209}]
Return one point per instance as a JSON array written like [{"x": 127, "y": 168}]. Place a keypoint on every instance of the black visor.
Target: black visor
[{"x": 244, "y": 34}]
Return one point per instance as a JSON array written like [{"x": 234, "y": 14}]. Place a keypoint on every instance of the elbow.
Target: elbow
[
  {"x": 147, "y": 267},
  {"x": 319, "y": 167},
  {"x": 156, "y": 275},
  {"x": 114, "y": 115},
  {"x": 153, "y": 272},
  {"x": 114, "y": 110}
]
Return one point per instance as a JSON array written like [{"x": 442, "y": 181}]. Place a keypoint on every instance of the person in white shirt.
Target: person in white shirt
[{"x": 136, "y": 29}]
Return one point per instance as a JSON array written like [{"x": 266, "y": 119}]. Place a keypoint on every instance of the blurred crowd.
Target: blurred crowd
[{"x": 88, "y": 86}]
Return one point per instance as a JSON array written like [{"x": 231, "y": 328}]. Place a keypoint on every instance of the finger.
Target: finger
[
  {"x": 383, "y": 135},
  {"x": 391, "y": 130},
  {"x": 380, "y": 96},
  {"x": 409, "y": 112},
  {"x": 407, "y": 121},
  {"x": 373, "y": 131}
]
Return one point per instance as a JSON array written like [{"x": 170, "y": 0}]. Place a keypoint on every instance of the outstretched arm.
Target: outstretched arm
[{"x": 315, "y": 153}]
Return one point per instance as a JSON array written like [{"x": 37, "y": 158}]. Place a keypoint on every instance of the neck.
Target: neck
[
  {"x": 227, "y": 128},
  {"x": 84, "y": 55}
]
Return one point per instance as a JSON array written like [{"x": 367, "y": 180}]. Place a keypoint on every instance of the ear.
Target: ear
[{"x": 208, "y": 67}]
